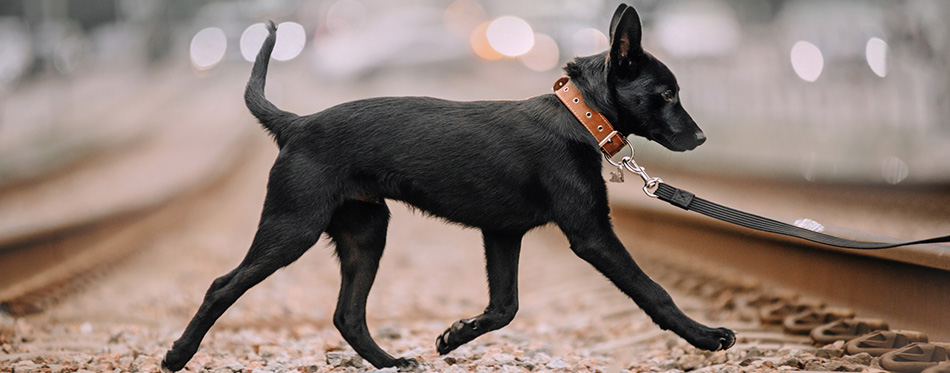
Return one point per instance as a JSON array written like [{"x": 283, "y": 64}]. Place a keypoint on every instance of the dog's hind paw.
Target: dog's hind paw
[
  {"x": 166, "y": 369},
  {"x": 176, "y": 363},
  {"x": 409, "y": 365}
]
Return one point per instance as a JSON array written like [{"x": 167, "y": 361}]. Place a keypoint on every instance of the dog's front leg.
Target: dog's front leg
[
  {"x": 502, "y": 250},
  {"x": 594, "y": 241}
]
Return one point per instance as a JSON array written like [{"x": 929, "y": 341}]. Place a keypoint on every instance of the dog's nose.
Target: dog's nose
[{"x": 700, "y": 138}]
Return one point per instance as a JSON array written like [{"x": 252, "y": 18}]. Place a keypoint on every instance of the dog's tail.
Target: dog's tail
[{"x": 273, "y": 119}]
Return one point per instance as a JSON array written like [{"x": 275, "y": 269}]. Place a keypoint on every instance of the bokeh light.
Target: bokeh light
[
  {"x": 876, "y": 54},
  {"x": 510, "y": 36},
  {"x": 291, "y": 39},
  {"x": 251, "y": 40},
  {"x": 894, "y": 170},
  {"x": 589, "y": 41},
  {"x": 208, "y": 47},
  {"x": 17, "y": 54},
  {"x": 807, "y": 61},
  {"x": 463, "y": 16},
  {"x": 479, "y": 41},
  {"x": 544, "y": 56},
  {"x": 68, "y": 55}
]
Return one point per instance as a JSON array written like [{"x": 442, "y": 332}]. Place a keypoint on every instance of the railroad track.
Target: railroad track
[
  {"x": 61, "y": 229},
  {"x": 41, "y": 268}
]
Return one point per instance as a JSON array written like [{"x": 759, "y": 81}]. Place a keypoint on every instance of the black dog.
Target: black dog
[{"x": 504, "y": 167}]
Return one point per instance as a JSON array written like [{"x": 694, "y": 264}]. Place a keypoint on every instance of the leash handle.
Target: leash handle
[{"x": 688, "y": 201}]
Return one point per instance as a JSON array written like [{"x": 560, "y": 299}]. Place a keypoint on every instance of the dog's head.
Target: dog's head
[{"x": 644, "y": 91}]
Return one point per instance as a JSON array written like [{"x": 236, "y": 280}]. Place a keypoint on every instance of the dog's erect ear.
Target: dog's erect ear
[
  {"x": 616, "y": 18},
  {"x": 625, "y": 35}
]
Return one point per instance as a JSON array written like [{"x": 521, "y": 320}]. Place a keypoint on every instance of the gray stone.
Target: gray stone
[
  {"x": 791, "y": 361},
  {"x": 503, "y": 359},
  {"x": 753, "y": 352},
  {"x": 277, "y": 368},
  {"x": 690, "y": 362},
  {"x": 234, "y": 367},
  {"x": 528, "y": 364},
  {"x": 26, "y": 366},
  {"x": 863, "y": 358},
  {"x": 344, "y": 359},
  {"x": 556, "y": 363},
  {"x": 827, "y": 353}
]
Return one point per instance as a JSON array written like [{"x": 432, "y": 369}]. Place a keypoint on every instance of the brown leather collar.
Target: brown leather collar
[{"x": 610, "y": 140}]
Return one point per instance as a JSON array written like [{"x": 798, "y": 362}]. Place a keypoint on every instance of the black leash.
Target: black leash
[
  {"x": 688, "y": 201},
  {"x": 656, "y": 188}
]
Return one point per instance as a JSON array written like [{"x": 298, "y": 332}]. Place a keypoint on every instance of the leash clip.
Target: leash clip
[{"x": 650, "y": 184}]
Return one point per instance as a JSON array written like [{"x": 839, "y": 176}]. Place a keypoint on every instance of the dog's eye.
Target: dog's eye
[{"x": 668, "y": 95}]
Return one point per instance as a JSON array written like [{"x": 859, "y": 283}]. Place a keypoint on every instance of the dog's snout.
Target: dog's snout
[{"x": 700, "y": 138}]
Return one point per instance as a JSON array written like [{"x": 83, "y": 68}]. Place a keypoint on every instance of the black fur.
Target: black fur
[{"x": 504, "y": 167}]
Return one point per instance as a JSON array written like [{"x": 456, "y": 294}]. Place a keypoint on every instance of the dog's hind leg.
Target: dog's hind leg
[
  {"x": 359, "y": 230},
  {"x": 593, "y": 239},
  {"x": 502, "y": 250},
  {"x": 286, "y": 230}
]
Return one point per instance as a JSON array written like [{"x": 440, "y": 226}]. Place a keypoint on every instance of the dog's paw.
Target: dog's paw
[
  {"x": 461, "y": 332},
  {"x": 409, "y": 365},
  {"x": 727, "y": 339},
  {"x": 716, "y": 339},
  {"x": 170, "y": 363}
]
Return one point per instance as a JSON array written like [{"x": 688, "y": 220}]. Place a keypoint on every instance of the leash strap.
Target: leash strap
[{"x": 688, "y": 201}]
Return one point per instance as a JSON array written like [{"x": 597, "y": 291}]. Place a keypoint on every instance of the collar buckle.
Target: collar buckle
[{"x": 609, "y": 140}]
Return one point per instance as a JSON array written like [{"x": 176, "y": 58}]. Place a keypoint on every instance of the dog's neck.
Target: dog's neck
[{"x": 590, "y": 77}]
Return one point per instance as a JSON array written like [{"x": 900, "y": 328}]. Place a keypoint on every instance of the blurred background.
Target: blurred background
[{"x": 821, "y": 91}]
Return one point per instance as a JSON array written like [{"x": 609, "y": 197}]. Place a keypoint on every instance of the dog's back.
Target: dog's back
[{"x": 483, "y": 164}]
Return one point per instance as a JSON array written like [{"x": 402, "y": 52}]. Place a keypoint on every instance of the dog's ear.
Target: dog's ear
[
  {"x": 616, "y": 18},
  {"x": 625, "y": 35}
]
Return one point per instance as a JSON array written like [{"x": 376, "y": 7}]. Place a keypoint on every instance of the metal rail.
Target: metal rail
[{"x": 38, "y": 269}]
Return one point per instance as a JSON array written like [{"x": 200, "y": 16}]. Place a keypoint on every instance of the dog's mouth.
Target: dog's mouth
[{"x": 681, "y": 142}]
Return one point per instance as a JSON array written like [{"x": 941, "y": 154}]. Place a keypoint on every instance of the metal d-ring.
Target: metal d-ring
[{"x": 615, "y": 164}]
